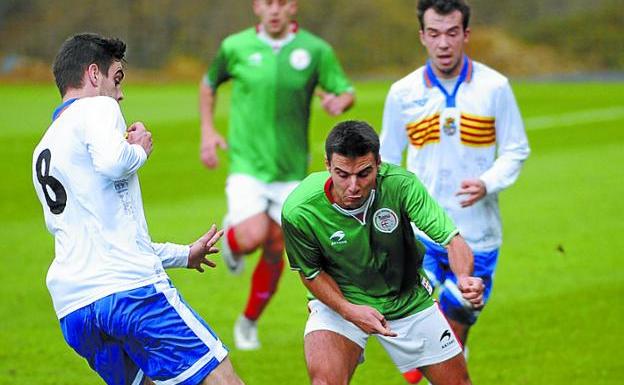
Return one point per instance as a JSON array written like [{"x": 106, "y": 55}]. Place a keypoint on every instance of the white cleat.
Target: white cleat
[
  {"x": 246, "y": 334},
  {"x": 235, "y": 264}
]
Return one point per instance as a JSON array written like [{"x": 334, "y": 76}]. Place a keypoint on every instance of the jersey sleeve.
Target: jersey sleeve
[
  {"x": 393, "y": 138},
  {"x": 511, "y": 141},
  {"x": 218, "y": 71},
  {"x": 302, "y": 251},
  {"x": 171, "y": 254},
  {"x": 110, "y": 152},
  {"x": 331, "y": 75},
  {"x": 426, "y": 213}
]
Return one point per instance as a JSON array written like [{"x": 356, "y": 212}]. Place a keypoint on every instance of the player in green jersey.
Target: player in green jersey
[
  {"x": 348, "y": 233},
  {"x": 275, "y": 68}
]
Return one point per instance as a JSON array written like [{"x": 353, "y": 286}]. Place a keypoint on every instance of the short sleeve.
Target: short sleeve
[
  {"x": 218, "y": 71},
  {"x": 302, "y": 250},
  {"x": 331, "y": 75}
]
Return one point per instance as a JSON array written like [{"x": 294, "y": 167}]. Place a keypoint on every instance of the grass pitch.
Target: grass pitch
[{"x": 555, "y": 315}]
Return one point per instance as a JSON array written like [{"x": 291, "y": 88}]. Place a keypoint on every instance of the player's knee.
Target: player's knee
[
  {"x": 251, "y": 237},
  {"x": 274, "y": 246}
]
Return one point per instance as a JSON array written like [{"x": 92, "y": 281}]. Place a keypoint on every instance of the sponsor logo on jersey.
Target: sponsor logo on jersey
[
  {"x": 338, "y": 238},
  {"x": 255, "y": 59},
  {"x": 300, "y": 59},
  {"x": 385, "y": 220}
]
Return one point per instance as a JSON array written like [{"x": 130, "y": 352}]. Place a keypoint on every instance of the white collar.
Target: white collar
[{"x": 360, "y": 210}]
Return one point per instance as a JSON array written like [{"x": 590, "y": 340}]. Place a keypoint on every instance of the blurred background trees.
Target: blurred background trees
[{"x": 372, "y": 37}]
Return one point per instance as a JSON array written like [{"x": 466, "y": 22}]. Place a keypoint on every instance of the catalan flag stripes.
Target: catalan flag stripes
[
  {"x": 424, "y": 131},
  {"x": 477, "y": 131}
]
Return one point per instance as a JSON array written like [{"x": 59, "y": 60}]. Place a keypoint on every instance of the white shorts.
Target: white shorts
[
  {"x": 424, "y": 338},
  {"x": 248, "y": 196}
]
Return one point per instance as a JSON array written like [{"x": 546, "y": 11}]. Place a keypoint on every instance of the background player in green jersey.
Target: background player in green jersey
[
  {"x": 275, "y": 67},
  {"x": 348, "y": 233}
]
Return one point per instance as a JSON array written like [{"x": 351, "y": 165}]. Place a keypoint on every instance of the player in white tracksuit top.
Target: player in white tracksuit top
[
  {"x": 466, "y": 142},
  {"x": 115, "y": 303}
]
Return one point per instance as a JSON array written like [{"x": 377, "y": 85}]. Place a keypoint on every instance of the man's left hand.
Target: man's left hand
[
  {"x": 334, "y": 105},
  {"x": 202, "y": 247},
  {"x": 472, "y": 290},
  {"x": 474, "y": 189}
]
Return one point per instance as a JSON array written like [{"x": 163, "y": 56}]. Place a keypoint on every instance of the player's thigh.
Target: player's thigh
[
  {"x": 162, "y": 334},
  {"x": 423, "y": 339},
  {"x": 333, "y": 346},
  {"x": 278, "y": 192},
  {"x": 450, "y": 372},
  {"x": 246, "y": 197},
  {"x": 105, "y": 354},
  {"x": 330, "y": 357},
  {"x": 224, "y": 374}
]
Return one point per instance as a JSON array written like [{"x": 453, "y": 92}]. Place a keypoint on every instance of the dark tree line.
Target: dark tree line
[{"x": 369, "y": 35}]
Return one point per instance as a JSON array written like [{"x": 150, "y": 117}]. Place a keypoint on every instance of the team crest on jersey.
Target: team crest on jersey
[
  {"x": 255, "y": 59},
  {"x": 449, "y": 126},
  {"x": 338, "y": 238},
  {"x": 385, "y": 220},
  {"x": 300, "y": 59}
]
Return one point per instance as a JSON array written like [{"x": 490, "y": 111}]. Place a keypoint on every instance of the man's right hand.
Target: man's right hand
[
  {"x": 208, "y": 150},
  {"x": 138, "y": 134},
  {"x": 368, "y": 319}
]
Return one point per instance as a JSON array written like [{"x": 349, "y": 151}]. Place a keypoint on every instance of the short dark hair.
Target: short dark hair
[
  {"x": 352, "y": 138},
  {"x": 444, "y": 7},
  {"x": 80, "y": 51}
]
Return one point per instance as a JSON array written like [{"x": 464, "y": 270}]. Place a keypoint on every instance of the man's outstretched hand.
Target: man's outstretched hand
[{"x": 202, "y": 247}]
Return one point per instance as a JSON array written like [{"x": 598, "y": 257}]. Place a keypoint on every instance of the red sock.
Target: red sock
[
  {"x": 231, "y": 240},
  {"x": 413, "y": 376},
  {"x": 263, "y": 285}
]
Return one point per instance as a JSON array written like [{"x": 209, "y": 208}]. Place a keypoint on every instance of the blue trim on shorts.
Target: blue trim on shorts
[{"x": 438, "y": 270}]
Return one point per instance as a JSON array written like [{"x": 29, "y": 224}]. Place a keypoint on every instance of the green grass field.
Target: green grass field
[{"x": 555, "y": 314}]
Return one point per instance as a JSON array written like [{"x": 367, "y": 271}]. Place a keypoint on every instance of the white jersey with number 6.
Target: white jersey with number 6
[{"x": 84, "y": 173}]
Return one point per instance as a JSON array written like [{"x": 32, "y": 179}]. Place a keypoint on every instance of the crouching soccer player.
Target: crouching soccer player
[{"x": 348, "y": 233}]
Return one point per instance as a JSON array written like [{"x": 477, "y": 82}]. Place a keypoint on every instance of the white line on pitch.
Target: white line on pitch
[{"x": 574, "y": 118}]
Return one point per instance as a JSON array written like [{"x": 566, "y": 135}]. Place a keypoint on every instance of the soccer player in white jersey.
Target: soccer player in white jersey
[
  {"x": 116, "y": 306},
  {"x": 465, "y": 140}
]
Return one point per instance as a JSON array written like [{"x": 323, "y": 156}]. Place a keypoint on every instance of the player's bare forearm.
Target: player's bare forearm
[
  {"x": 460, "y": 257},
  {"x": 461, "y": 260},
  {"x": 210, "y": 138},
  {"x": 326, "y": 290},
  {"x": 207, "y": 99}
]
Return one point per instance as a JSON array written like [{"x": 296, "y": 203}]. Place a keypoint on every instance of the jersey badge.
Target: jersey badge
[
  {"x": 255, "y": 59},
  {"x": 385, "y": 220},
  {"x": 449, "y": 120},
  {"x": 449, "y": 126},
  {"x": 338, "y": 238},
  {"x": 300, "y": 59}
]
